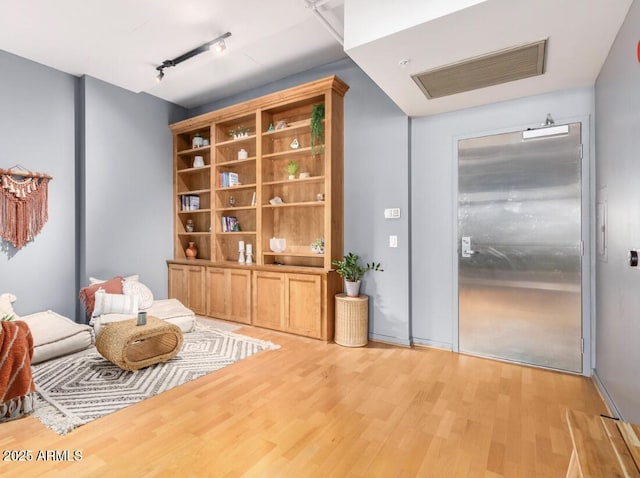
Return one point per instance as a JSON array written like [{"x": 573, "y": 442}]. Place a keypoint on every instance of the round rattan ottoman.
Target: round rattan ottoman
[
  {"x": 132, "y": 347},
  {"x": 352, "y": 320}
]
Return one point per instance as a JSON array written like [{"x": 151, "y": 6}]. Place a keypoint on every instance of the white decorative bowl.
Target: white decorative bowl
[{"x": 277, "y": 244}]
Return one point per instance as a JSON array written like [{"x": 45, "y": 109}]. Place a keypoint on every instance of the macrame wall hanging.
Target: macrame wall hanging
[{"x": 23, "y": 204}]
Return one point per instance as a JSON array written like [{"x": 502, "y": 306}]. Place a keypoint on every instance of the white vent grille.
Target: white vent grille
[{"x": 487, "y": 70}]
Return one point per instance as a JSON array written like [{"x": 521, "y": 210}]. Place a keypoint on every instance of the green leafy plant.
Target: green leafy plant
[
  {"x": 351, "y": 270},
  {"x": 7, "y": 318},
  {"x": 317, "y": 128},
  {"x": 317, "y": 246},
  {"x": 239, "y": 132},
  {"x": 292, "y": 168}
]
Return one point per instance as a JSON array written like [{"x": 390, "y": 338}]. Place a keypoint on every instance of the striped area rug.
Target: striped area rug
[{"x": 76, "y": 389}]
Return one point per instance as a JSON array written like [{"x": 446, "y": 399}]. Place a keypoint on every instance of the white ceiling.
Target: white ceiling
[
  {"x": 580, "y": 34},
  {"x": 121, "y": 42}
]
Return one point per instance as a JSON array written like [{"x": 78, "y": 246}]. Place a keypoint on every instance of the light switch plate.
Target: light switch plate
[
  {"x": 392, "y": 213},
  {"x": 393, "y": 241}
]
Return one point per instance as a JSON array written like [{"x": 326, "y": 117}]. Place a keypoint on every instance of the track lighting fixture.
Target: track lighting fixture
[{"x": 220, "y": 46}]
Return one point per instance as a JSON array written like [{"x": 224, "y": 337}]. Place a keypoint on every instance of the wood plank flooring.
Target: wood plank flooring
[{"x": 312, "y": 409}]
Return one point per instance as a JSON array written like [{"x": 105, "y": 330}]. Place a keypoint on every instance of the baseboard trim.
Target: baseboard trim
[
  {"x": 606, "y": 397},
  {"x": 385, "y": 339},
  {"x": 433, "y": 343}
]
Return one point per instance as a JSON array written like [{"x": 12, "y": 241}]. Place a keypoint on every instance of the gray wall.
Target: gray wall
[
  {"x": 127, "y": 205},
  {"x": 37, "y": 131},
  {"x": 433, "y": 185},
  {"x": 618, "y": 285},
  {"x": 110, "y": 154},
  {"x": 375, "y": 177}
]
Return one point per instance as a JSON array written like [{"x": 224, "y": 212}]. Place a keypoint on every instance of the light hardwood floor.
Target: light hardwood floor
[{"x": 312, "y": 409}]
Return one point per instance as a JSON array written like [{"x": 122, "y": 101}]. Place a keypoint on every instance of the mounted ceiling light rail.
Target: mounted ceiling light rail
[{"x": 218, "y": 43}]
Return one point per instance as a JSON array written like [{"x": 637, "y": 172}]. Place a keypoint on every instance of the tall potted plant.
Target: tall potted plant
[
  {"x": 350, "y": 269},
  {"x": 317, "y": 128}
]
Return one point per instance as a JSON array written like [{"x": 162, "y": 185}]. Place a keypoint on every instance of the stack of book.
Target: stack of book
[
  {"x": 230, "y": 224},
  {"x": 228, "y": 179},
  {"x": 189, "y": 202}
]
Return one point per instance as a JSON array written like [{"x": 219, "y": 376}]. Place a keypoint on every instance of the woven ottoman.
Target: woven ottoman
[
  {"x": 132, "y": 347},
  {"x": 352, "y": 320}
]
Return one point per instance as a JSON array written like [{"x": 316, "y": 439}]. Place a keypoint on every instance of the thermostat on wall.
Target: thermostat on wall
[{"x": 392, "y": 213}]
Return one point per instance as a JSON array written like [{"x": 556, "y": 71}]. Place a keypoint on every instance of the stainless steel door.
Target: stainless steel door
[{"x": 519, "y": 256}]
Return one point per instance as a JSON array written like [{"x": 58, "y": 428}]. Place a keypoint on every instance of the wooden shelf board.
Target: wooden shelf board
[
  {"x": 194, "y": 151},
  {"x": 240, "y": 186},
  {"x": 293, "y": 254},
  {"x": 295, "y": 204},
  {"x": 237, "y": 141},
  {"x": 288, "y": 153},
  {"x": 237, "y": 233},
  {"x": 296, "y": 127},
  {"x": 235, "y": 162},
  {"x": 186, "y": 171},
  {"x": 313, "y": 179},
  {"x": 195, "y": 211},
  {"x": 236, "y": 208},
  {"x": 201, "y": 233},
  {"x": 195, "y": 191}
]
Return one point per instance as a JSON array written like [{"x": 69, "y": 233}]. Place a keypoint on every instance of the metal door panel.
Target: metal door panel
[{"x": 519, "y": 218}]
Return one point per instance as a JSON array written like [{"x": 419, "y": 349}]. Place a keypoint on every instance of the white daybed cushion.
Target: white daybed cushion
[
  {"x": 55, "y": 335},
  {"x": 170, "y": 310}
]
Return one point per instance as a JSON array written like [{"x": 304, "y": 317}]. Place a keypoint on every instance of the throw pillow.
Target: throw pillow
[
  {"x": 6, "y": 309},
  {"x": 114, "y": 303},
  {"x": 87, "y": 294},
  {"x": 95, "y": 280},
  {"x": 144, "y": 294}
]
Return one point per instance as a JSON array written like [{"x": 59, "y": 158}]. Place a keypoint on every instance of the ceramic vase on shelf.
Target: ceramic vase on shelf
[{"x": 191, "y": 251}]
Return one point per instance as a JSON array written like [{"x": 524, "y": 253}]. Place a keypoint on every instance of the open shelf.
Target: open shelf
[
  {"x": 194, "y": 151},
  {"x": 295, "y": 204}
]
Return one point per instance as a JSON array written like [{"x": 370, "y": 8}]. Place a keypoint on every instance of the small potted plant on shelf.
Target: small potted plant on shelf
[
  {"x": 352, "y": 272},
  {"x": 292, "y": 169},
  {"x": 239, "y": 132},
  {"x": 317, "y": 246},
  {"x": 317, "y": 128}
]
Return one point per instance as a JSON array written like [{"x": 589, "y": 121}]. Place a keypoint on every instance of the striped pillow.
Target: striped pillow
[{"x": 114, "y": 303}]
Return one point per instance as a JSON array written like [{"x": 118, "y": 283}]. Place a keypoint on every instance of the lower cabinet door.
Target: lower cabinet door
[
  {"x": 304, "y": 304},
  {"x": 268, "y": 300},
  {"x": 197, "y": 289},
  {"x": 188, "y": 285},
  {"x": 178, "y": 284},
  {"x": 238, "y": 298},
  {"x": 216, "y": 289}
]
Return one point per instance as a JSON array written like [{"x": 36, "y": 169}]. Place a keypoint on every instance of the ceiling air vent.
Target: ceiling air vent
[{"x": 487, "y": 70}]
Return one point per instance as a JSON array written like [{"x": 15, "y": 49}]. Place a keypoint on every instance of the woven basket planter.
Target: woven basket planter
[{"x": 352, "y": 320}]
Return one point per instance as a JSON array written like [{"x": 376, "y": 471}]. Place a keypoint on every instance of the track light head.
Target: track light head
[
  {"x": 160, "y": 75},
  {"x": 221, "y": 46}
]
